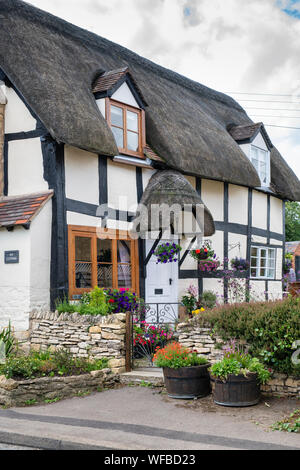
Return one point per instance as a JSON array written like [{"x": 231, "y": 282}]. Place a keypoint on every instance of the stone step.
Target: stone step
[{"x": 153, "y": 376}]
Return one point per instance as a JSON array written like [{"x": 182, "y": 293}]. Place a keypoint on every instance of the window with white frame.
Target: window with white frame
[
  {"x": 263, "y": 262},
  {"x": 261, "y": 160}
]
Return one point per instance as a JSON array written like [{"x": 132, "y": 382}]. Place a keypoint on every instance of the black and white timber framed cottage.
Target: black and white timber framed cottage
[{"x": 85, "y": 122}]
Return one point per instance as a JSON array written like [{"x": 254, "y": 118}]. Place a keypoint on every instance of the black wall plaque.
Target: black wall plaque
[
  {"x": 159, "y": 291},
  {"x": 11, "y": 257}
]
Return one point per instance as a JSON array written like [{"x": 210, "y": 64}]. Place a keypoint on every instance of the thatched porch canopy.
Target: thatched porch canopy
[
  {"x": 171, "y": 188},
  {"x": 54, "y": 65}
]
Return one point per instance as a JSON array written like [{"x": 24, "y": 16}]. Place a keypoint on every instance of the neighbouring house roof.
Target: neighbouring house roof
[
  {"x": 110, "y": 81},
  {"x": 171, "y": 188},
  {"x": 21, "y": 210},
  {"x": 291, "y": 247},
  {"x": 148, "y": 152},
  {"x": 247, "y": 133},
  {"x": 54, "y": 64}
]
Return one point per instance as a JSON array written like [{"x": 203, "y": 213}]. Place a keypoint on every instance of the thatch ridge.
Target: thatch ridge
[{"x": 186, "y": 121}]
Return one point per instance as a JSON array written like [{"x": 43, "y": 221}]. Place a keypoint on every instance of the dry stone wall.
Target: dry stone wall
[
  {"x": 83, "y": 335},
  {"x": 41, "y": 390}
]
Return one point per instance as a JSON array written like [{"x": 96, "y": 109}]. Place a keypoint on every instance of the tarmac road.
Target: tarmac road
[{"x": 139, "y": 418}]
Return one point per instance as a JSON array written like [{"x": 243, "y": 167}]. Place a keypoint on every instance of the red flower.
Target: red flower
[
  {"x": 111, "y": 301},
  {"x": 198, "y": 252}
]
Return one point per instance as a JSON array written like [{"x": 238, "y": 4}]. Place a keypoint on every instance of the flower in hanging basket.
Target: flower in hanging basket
[
  {"x": 167, "y": 253},
  {"x": 203, "y": 253},
  {"x": 209, "y": 265},
  {"x": 240, "y": 264}
]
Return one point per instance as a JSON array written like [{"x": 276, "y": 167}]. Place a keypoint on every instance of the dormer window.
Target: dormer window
[
  {"x": 256, "y": 144},
  {"x": 126, "y": 125},
  {"x": 260, "y": 158},
  {"x": 123, "y": 106}
]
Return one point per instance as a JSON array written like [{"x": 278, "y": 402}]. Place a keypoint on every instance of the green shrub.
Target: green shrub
[
  {"x": 92, "y": 303},
  {"x": 236, "y": 366},
  {"x": 8, "y": 339},
  {"x": 47, "y": 364},
  {"x": 270, "y": 329},
  {"x": 208, "y": 299}
]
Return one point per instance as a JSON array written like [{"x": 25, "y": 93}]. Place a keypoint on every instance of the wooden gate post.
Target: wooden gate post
[{"x": 128, "y": 343}]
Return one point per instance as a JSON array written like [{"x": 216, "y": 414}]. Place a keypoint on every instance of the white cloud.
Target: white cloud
[{"x": 231, "y": 46}]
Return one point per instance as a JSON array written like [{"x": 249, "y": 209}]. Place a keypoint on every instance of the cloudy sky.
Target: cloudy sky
[{"x": 249, "y": 49}]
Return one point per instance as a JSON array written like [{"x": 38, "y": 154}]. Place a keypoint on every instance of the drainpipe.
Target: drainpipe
[{"x": 2, "y": 111}]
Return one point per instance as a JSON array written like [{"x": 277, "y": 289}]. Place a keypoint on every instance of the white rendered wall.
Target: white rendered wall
[
  {"x": 257, "y": 290},
  {"x": 25, "y": 286},
  {"x": 276, "y": 217},
  {"x": 216, "y": 286},
  {"x": 121, "y": 183},
  {"x": 81, "y": 170},
  {"x": 259, "y": 210},
  {"x": 15, "y": 279},
  {"x": 40, "y": 259},
  {"x": 235, "y": 251},
  {"x": 17, "y": 116},
  {"x": 275, "y": 290},
  {"x": 238, "y": 204},
  {"x": 124, "y": 95},
  {"x": 101, "y": 106},
  {"x": 213, "y": 198},
  {"x": 279, "y": 255},
  {"x": 259, "y": 142},
  {"x": 25, "y": 167}
]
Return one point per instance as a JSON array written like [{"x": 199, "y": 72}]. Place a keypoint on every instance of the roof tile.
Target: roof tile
[{"x": 20, "y": 210}]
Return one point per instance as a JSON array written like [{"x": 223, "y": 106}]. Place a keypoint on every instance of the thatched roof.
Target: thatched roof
[
  {"x": 171, "y": 188},
  {"x": 54, "y": 64}
]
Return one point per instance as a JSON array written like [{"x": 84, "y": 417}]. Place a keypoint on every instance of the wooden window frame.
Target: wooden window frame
[
  {"x": 141, "y": 126},
  {"x": 94, "y": 233}
]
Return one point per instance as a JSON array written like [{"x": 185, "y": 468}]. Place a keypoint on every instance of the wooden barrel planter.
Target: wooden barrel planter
[
  {"x": 187, "y": 382},
  {"x": 238, "y": 390}
]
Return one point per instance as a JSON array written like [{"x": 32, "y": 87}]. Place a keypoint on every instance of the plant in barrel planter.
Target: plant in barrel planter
[
  {"x": 185, "y": 373},
  {"x": 237, "y": 379},
  {"x": 167, "y": 253},
  {"x": 206, "y": 258}
]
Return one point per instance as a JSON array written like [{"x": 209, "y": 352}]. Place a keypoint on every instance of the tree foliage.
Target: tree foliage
[{"x": 292, "y": 221}]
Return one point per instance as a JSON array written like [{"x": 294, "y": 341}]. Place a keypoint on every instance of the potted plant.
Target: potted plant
[
  {"x": 206, "y": 258},
  {"x": 167, "y": 253},
  {"x": 240, "y": 264},
  {"x": 237, "y": 379},
  {"x": 185, "y": 373}
]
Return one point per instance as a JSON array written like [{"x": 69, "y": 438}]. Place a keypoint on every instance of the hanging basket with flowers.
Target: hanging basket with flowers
[
  {"x": 167, "y": 253},
  {"x": 240, "y": 264},
  {"x": 206, "y": 257}
]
